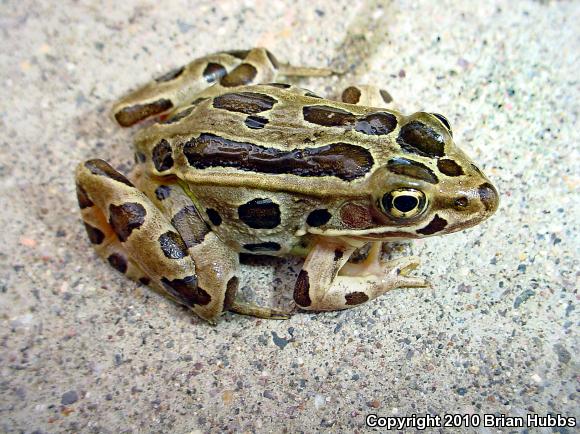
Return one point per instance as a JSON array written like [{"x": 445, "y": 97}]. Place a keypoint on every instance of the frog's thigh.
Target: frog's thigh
[
  {"x": 320, "y": 287},
  {"x": 122, "y": 221},
  {"x": 367, "y": 95}
]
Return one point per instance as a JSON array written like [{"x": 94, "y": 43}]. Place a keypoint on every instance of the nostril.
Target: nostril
[
  {"x": 488, "y": 196},
  {"x": 460, "y": 202}
]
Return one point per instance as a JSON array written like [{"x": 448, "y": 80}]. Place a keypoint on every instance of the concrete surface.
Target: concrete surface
[{"x": 83, "y": 349}]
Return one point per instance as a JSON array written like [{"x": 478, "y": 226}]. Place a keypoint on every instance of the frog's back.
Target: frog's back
[{"x": 292, "y": 136}]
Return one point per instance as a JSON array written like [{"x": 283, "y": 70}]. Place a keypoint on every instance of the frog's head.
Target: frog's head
[
  {"x": 428, "y": 186},
  {"x": 431, "y": 187}
]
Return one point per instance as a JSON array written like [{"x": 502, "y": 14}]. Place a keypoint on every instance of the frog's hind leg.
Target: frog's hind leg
[
  {"x": 135, "y": 237},
  {"x": 367, "y": 95}
]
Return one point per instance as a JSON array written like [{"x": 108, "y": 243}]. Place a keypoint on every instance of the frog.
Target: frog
[{"x": 233, "y": 160}]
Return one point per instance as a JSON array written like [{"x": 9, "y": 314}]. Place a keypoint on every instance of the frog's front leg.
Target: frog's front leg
[
  {"x": 327, "y": 282},
  {"x": 135, "y": 237}
]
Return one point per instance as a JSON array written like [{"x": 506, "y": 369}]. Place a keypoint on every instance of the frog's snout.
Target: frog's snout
[{"x": 489, "y": 197}]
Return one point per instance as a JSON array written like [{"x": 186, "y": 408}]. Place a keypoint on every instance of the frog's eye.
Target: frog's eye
[{"x": 404, "y": 203}]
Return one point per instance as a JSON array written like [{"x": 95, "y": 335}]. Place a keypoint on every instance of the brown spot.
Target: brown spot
[
  {"x": 418, "y": 138},
  {"x": 131, "y": 115},
  {"x": 328, "y": 116},
  {"x": 179, "y": 116},
  {"x": 125, "y": 218},
  {"x": 256, "y": 122},
  {"x": 162, "y": 192},
  {"x": 354, "y": 298},
  {"x": 301, "y": 289},
  {"x": 444, "y": 121},
  {"x": 162, "y": 156},
  {"x": 386, "y": 96},
  {"x": 434, "y": 226},
  {"x": 213, "y": 72},
  {"x": 338, "y": 255},
  {"x": 172, "y": 245},
  {"x": 412, "y": 169},
  {"x": 343, "y": 160},
  {"x": 186, "y": 290},
  {"x": 488, "y": 196},
  {"x": 230, "y": 296},
  {"x": 171, "y": 75},
  {"x": 351, "y": 95},
  {"x": 356, "y": 216},
  {"x": 145, "y": 280},
  {"x": 260, "y": 214},
  {"x": 102, "y": 168},
  {"x": 268, "y": 246},
  {"x": 118, "y": 262},
  {"x": 96, "y": 236},
  {"x": 244, "y": 102},
  {"x": 214, "y": 216},
  {"x": 449, "y": 167},
  {"x": 190, "y": 226},
  {"x": 318, "y": 217},
  {"x": 240, "y": 75},
  {"x": 83, "y": 198},
  {"x": 376, "y": 124},
  {"x": 240, "y": 54},
  {"x": 273, "y": 59}
]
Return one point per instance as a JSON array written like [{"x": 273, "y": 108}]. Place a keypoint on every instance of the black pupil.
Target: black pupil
[{"x": 405, "y": 203}]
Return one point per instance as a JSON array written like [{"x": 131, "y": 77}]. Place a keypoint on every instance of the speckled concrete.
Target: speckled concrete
[{"x": 84, "y": 349}]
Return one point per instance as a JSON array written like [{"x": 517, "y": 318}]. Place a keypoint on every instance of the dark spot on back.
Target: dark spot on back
[
  {"x": 343, "y": 160},
  {"x": 301, "y": 295},
  {"x": 273, "y": 59},
  {"x": 268, "y": 246},
  {"x": 96, "y": 236},
  {"x": 421, "y": 139},
  {"x": 102, "y": 168},
  {"x": 443, "y": 120},
  {"x": 434, "y": 226},
  {"x": 256, "y": 122},
  {"x": 318, "y": 217},
  {"x": 179, "y": 116},
  {"x": 327, "y": 116},
  {"x": 449, "y": 167},
  {"x": 279, "y": 85},
  {"x": 260, "y": 214},
  {"x": 412, "y": 169},
  {"x": 354, "y": 298},
  {"x": 190, "y": 225},
  {"x": 171, "y": 75},
  {"x": 240, "y": 75},
  {"x": 214, "y": 216},
  {"x": 240, "y": 54},
  {"x": 338, "y": 255},
  {"x": 135, "y": 113},
  {"x": 213, "y": 72},
  {"x": 488, "y": 196},
  {"x": 172, "y": 245},
  {"x": 351, "y": 95},
  {"x": 125, "y": 218},
  {"x": 162, "y": 156},
  {"x": 244, "y": 102},
  {"x": 386, "y": 96},
  {"x": 118, "y": 262},
  {"x": 162, "y": 192},
  {"x": 186, "y": 290},
  {"x": 83, "y": 198},
  {"x": 376, "y": 124}
]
